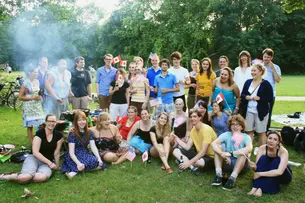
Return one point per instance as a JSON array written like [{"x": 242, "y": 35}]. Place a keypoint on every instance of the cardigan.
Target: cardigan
[{"x": 265, "y": 92}]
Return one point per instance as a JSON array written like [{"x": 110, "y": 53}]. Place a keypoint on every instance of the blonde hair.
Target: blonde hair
[
  {"x": 261, "y": 68},
  {"x": 104, "y": 116},
  {"x": 163, "y": 131}
]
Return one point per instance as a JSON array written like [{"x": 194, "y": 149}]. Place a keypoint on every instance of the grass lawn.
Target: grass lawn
[
  {"x": 291, "y": 85},
  {"x": 137, "y": 183}
]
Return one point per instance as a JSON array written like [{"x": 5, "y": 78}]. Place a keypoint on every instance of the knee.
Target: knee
[
  {"x": 40, "y": 178},
  {"x": 22, "y": 179},
  {"x": 176, "y": 152},
  {"x": 110, "y": 157}
]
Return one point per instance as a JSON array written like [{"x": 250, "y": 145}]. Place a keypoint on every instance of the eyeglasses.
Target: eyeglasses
[{"x": 235, "y": 124}]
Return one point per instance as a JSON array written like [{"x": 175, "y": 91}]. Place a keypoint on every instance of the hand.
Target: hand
[
  {"x": 252, "y": 165},
  {"x": 116, "y": 89},
  {"x": 144, "y": 105},
  {"x": 38, "y": 98},
  {"x": 225, "y": 154},
  {"x": 59, "y": 100},
  {"x": 256, "y": 98},
  {"x": 53, "y": 166},
  {"x": 235, "y": 111},
  {"x": 184, "y": 165},
  {"x": 193, "y": 85},
  {"x": 248, "y": 98},
  {"x": 80, "y": 167},
  {"x": 71, "y": 94},
  {"x": 164, "y": 90},
  {"x": 182, "y": 81},
  {"x": 152, "y": 88},
  {"x": 89, "y": 98},
  {"x": 161, "y": 152},
  {"x": 100, "y": 163},
  {"x": 256, "y": 175}
]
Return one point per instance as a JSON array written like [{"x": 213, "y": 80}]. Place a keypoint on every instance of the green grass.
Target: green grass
[
  {"x": 138, "y": 183},
  {"x": 291, "y": 85}
]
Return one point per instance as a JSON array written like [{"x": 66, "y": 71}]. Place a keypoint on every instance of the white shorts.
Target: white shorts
[{"x": 253, "y": 123}]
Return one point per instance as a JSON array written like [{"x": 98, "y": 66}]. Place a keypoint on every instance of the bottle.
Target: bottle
[
  {"x": 116, "y": 83},
  {"x": 180, "y": 161}
]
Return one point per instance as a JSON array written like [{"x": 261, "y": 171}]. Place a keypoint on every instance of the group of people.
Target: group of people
[{"x": 213, "y": 126}]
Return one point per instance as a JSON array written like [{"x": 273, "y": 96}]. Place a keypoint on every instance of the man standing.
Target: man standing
[
  {"x": 202, "y": 136},
  {"x": 152, "y": 72},
  {"x": 57, "y": 89},
  {"x": 80, "y": 85},
  {"x": 104, "y": 76},
  {"x": 181, "y": 74},
  {"x": 273, "y": 76},
  {"x": 165, "y": 85},
  {"x": 42, "y": 70}
]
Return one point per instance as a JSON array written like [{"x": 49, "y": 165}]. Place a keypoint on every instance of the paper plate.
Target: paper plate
[{"x": 9, "y": 146}]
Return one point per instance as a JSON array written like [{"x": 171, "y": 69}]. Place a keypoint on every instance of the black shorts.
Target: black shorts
[{"x": 191, "y": 153}]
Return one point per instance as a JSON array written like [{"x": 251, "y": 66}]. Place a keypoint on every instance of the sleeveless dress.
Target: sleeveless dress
[
  {"x": 141, "y": 140},
  {"x": 81, "y": 152},
  {"x": 229, "y": 96},
  {"x": 179, "y": 128},
  {"x": 32, "y": 112},
  {"x": 109, "y": 144},
  {"x": 271, "y": 185}
]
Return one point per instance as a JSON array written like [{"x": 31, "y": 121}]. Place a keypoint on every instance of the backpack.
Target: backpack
[
  {"x": 288, "y": 135},
  {"x": 20, "y": 156},
  {"x": 299, "y": 142}
]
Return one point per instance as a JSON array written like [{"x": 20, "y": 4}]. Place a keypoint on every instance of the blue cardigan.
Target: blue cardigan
[{"x": 265, "y": 92}]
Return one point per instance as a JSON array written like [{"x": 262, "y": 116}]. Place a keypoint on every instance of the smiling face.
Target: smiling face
[
  {"x": 131, "y": 113},
  {"x": 179, "y": 104},
  {"x": 267, "y": 58},
  {"x": 256, "y": 73},
  {"x": 236, "y": 127},
  {"x": 205, "y": 65},
  {"x": 81, "y": 122},
  {"x": 154, "y": 62},
  {"x": 224, "y": 76},
  {"x": 144, "y": 115},
  {"x": 43, "y": 63},
  {"x": 244, "y": 59},
  {"x": 108, "y": 60},
  {"x": 164, "y": 67},
  {"x": 194, "y": 118},
  {"x": 222, "y": 63},
  {"x": 163, "y": 119},
  {"x": 176, "y": 62},
  {"x": 273, "y": 140},
  {"x": 80, "y": 64},
  {"x": 195, "y": 67},
  {"x": 34, "y": 74},
  {"x": 202, "y": 109},
  {"x": 215, "y": 107},
  {"x": 138, "y": 70},
  {"x": 51, "y": 122}
]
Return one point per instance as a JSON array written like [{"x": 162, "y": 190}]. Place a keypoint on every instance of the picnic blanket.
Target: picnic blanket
[{"x": 283, "y": 119}]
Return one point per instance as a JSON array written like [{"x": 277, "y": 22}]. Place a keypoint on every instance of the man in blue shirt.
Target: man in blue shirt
[
  {"x": 152, "y": 72},
  {"x": 273, "y": 76},
  {"x": 104, "y": 76},
  {"x": 165, "y": 85}
]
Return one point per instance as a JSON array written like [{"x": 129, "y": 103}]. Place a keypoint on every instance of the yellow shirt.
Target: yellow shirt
[
  {"x": 206, "y": 135},
  {"x": 205, "y": 84}
]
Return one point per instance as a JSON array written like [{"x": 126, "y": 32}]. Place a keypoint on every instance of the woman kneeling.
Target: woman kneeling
[
  {"x": 78, "y": 158},
  {"x": 271, "y": 168},
  {"x": 46, "y": 150}
]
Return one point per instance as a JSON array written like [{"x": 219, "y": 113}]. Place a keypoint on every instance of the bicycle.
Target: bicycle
[{"x": 9, "y": 94}]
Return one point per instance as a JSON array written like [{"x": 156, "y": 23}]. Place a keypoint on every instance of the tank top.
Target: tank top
[
  {"x": 144, "y": 135},
  {"x": 138, "y": 83},
  {"x": 180, "y": 130}
]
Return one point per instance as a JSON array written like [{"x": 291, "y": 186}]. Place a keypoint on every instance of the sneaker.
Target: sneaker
[
  {"x": 229, "y": 185},
  {"x": 217, "y": 181},
  {"x": 196, "y": 171},
  {"x": 177, "y": 162}
]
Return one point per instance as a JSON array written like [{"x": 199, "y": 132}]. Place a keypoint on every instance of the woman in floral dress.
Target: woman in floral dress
[{"x": 32, "y": 112}]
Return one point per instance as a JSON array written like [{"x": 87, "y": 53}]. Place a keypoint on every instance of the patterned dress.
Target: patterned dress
[
  {"x": 32, "y": 112},
  {"x": 81, "y": 152}
]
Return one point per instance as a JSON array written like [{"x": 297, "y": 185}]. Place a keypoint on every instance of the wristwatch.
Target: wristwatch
[{"x": 231, "y": 153}]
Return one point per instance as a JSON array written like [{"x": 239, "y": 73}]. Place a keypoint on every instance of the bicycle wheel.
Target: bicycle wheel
[{"x": 13, "y": 100}]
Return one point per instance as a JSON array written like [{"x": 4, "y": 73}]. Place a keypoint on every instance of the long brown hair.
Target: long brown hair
[
  {"x": 230, "y": 79},
  {"x": 77, "y": 115},
  {"x": 163, "y": 131},
  {"x": 210, "y": 69}
]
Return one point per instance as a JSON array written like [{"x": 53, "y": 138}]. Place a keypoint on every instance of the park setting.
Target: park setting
[{"x": 125, "y": 30}]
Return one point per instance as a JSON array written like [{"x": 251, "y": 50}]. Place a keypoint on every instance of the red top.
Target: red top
[{"x": 124, "y": 130}]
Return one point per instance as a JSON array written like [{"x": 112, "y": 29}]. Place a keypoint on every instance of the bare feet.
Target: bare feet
[
  {"x": 8, "y": 176},
  {"x": 252, "y": 191},
  {"x": 258, "y": 193}
]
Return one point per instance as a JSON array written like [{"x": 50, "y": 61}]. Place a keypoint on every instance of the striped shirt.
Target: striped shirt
[{"x": 139, "y": 85}]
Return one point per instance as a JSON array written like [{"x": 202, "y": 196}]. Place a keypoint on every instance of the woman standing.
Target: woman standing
[
  {"x": 139, "y": 135},
  {"x": 271, "y": 167},
  {"x": 219, "y": 119},
  {"x": 205, "y": 80},
  {"x": 78, "y": 158},
  {"x": 131, "y": 71},
  {"x": 32, "y": 112},
  {"x": 119, "y": 89},
  {"x": 46, "y": 153},
  {"x": 223, "y": 61},
  {"x": 159, "y": 135},
  {"x": 127, "y": 122},
  {"x": 107, "y": 139},
  {"x": 243, "y": 71},
  {"x": 225, "y": 86},
  {"x": 192, "y": 87},
  {"x": 140, "y": 90},
  {"x": 256, "y": 95}
]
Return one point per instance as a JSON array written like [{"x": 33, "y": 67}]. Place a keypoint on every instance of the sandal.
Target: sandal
[
  {"x": 169, "y": 170},
  {"x": 163, "y": 167}
]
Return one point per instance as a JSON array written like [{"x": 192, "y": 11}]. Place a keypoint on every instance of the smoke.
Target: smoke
[{"x": 49, "y": 31}]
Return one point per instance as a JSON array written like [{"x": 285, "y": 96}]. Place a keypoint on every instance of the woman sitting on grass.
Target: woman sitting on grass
[
  {"x": 46, "y": 150},
  {"x": 107, "y": 140},
  {"x": 159, "y": 135},
  {"x": 78, "y": 158},
  {"x": 271, "y": 167},
  {"x": 127, "y": 122},
  {"x": 202, "y": 107},
  {"x": 219, "y": 118}
]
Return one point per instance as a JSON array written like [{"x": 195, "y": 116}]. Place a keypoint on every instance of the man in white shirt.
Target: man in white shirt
[{"x": 181, "y": 74}]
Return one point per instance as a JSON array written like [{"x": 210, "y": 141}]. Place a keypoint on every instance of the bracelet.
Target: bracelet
[{"x": 50, "y": 164}]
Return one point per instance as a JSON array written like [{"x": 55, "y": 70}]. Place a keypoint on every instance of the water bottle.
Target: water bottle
[{"x": 180, "y": 161}]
